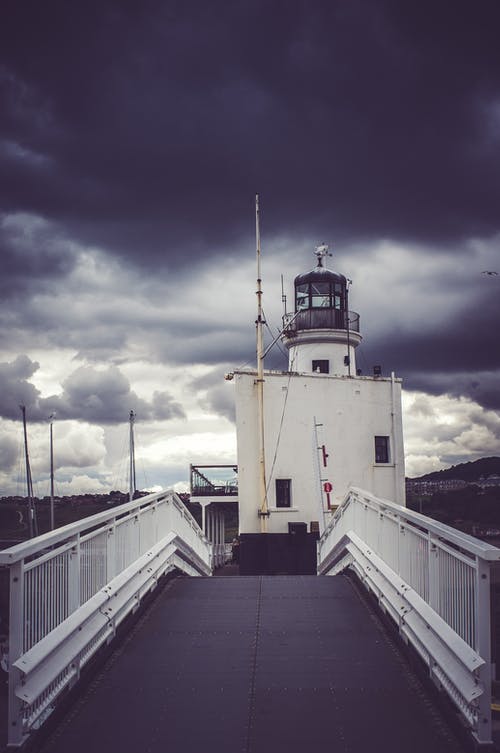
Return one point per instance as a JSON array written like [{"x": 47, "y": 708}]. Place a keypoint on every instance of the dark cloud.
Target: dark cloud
[
  {"x": 8, "y": 453},
  {"x": 32, "y": 254},
  {"x": 220, "y": 400},
  {"x": 456, "y": 353},
  {"x": 481, "y": 387},
  {"x": 15, "y": 390},
  {"x": 92, "y": 395},
  {"x": 165, "y": 407},
  {"x": 105, "y": 397},
  {"x": 146, "y": 129},
  {"x": 215, "y": 393}
]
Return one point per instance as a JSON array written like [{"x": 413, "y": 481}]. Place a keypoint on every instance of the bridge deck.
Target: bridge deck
[{"x": 255, "y": 665}]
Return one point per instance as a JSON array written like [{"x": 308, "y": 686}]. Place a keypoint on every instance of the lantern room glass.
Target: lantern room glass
[{"x": 320, "y": 294}]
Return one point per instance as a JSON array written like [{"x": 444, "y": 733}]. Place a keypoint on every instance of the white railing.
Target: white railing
[
  {"x": 434, "y": 581},
  {"x": 71, "y": 588}
]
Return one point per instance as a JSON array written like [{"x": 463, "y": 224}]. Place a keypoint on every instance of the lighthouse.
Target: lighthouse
[{"x": 327, "y": 428}]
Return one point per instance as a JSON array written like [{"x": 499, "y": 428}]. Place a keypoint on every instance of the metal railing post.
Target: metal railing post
[
  {"x": 433, "y": 574},
  {"x": 74, "y": 577},
  {"x": 111, "y": 551},
  {"x": 16, "y": 648},
  {"x": 483, "y": 647}
]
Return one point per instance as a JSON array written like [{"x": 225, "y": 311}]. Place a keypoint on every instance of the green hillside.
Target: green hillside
[{"x": 465, "y": 471}]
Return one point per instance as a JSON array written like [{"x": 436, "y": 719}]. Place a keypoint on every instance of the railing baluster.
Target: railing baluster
[{"x": 17, "y": 641}]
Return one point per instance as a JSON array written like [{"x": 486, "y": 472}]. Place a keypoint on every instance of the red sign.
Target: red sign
[{"x": 327, "y": 487}]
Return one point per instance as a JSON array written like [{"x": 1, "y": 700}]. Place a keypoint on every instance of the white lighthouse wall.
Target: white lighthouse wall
[
  {"x": 352, "y": 412},
  {"x": 301, "y": 357}
]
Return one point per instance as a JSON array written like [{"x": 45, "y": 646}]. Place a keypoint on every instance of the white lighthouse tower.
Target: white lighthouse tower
[{"x": 326, "y": 428}]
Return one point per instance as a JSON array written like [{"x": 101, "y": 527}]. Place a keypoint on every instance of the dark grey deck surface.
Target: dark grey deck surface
[{"x": 271, "y": 664}]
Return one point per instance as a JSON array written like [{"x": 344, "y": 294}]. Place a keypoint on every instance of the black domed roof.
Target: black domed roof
[{"x": 320, "y": 274}]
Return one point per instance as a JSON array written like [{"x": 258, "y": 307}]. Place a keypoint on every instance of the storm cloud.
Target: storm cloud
[
  {"x": 123, "y": 124},
  {"x": 132, "y": 141},
  {"x": 93, "y": 395}
]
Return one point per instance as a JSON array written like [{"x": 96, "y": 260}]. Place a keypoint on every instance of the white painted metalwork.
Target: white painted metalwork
[
  {"x": 434, "y": 581},
  {"x": 215, "y": 533},
  {"x": 71, "y": 588}
]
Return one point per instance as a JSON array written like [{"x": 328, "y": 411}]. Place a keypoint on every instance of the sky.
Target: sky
[{"x": 133, "y": 139}]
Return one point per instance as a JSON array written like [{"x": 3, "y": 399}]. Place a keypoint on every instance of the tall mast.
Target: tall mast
[
  {"x": 32, "y": 521},
  {"x": 132, "y": 485},
  {"x": 52, "y": 521},
  {"x": 349, "y": 282},
  {"x": 263, "y": 506}
]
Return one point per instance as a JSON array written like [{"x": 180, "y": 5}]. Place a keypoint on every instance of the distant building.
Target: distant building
[
  {"x": 492, "y": 480},
  {"x": 429, "y": 486}
]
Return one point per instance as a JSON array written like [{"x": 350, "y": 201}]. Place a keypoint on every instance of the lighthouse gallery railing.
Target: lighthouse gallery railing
[
  {"x": 321, "y": 318},
  {"x": 434, "y": 581},
  {"x": 71, "y": 588}
]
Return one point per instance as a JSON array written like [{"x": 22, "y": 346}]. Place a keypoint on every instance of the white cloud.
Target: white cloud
[
  {"x": 81, "y": 484},
  {"x": 441, "y": 430}
]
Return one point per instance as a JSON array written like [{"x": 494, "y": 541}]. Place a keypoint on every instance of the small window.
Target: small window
[
  {"x": 302, "y": 297},
  {"x": 321, "y": 367},
  {"x": 338, "y": 297},
  {"x": 283, "y": 492},
  {"x": 381, "y": 449}
]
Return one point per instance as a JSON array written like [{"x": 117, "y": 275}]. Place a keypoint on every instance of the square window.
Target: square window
[
  {"x": 283, "y": 492},
  {"x": 321, "y": 367},
  {"x": 381, "y": 449}
]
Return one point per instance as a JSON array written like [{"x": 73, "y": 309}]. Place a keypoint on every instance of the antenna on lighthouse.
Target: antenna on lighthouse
[
  {"x": 263, "y": 506},
  {"x": 132, "y": 484}
]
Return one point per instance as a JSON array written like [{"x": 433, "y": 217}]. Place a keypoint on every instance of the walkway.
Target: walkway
[{"x": 257, "y": 665}]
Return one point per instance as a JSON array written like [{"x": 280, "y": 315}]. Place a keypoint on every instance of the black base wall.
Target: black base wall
[{"x": 278, "y": 553}]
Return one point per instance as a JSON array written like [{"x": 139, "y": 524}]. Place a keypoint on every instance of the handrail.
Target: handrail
[
  {"x": 458, "y": 538},
  {"x": 320, "y": 318},
  {"x": 26, "y": 548},
  {"x": 77, "y": 583},
  {"x": 433, "y": 580}
]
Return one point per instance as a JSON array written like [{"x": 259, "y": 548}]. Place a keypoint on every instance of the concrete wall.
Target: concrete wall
[{"x": 352, "y": 410}]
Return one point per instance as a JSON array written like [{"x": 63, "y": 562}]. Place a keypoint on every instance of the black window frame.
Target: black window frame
[
  {"x": 382, "y": 449},
  {"x": 323, "y": 364},
  {"x": 283, "y": 491}
]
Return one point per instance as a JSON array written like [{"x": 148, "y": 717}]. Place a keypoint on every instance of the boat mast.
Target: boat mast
[
  {"x": 132, "y": 485},
  {"x": 263, "y": 506},
  {"x": 32, "y": 521},
  {"x": 52, "y": 521}
]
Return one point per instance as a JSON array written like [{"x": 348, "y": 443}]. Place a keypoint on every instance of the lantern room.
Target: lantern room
[{"x": 322, "y": 333}]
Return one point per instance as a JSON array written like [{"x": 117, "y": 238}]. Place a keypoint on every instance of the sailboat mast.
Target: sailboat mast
[
  {"x": 132, "y": 486},
  {"x": 263, "y": 506},
  {"x": 52, "y": 521},
  {"x": 32, "y": 521}
]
